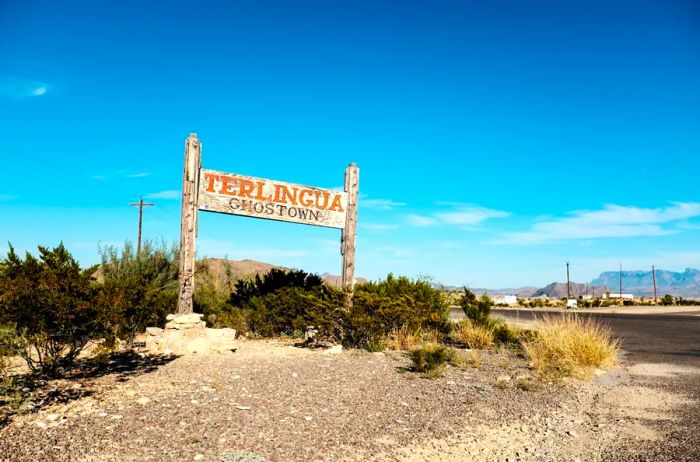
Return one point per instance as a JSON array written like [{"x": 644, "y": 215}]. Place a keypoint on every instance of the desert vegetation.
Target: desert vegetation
[
  {"x": 570, "y": 346},
  {"x": 51, "y": 309}
]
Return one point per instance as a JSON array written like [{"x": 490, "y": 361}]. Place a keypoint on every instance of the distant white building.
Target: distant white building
[
  {"x": 622, "y": 296},
  {"x": 510, "y": 300}
]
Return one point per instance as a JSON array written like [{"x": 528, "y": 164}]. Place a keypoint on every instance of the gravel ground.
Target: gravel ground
[{"x": 270, "y": 401}]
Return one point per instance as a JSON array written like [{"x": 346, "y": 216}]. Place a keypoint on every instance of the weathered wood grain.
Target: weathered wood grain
[
  {"x": 235, "y": 194},
  {"x": 352, "y": 186},
  {"x": 188, "y": 224}
]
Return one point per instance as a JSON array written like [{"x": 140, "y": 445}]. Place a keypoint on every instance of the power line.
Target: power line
[{"x": 140, "y": 204}]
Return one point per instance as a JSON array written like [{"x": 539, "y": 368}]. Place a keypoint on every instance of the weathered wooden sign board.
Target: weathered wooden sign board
[
  {"x": 272, "y": 200},
  {"x": 230, "y": 193}
]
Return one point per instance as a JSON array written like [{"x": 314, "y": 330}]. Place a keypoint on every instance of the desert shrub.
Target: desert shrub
[
  {"x": 478, "y": 309},
  {"x": 473, "y": 335},
  {"x": 503, "y": 333},
  {"x": 50, "y": 302},
  {"x": 9, "y": 347},
  {"x": 278, "y": 303},
  {"x": 422, "y": 305},
  {"x": 667, "y": 300},
  {"x": 432, "y": 358},
  {"x": 571, "y": 346},
  {"x": 138, "y": 290},
  {"x": 270, "y": 282},
  {"x": 291, "y": 309}
]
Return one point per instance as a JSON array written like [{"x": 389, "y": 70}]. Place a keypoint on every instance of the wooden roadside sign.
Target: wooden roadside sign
[
  {"x": 272, "y": 200},
  {"x": 229, "y": 193}
]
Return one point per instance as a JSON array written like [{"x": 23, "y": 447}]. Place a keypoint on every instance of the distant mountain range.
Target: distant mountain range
[
  {"x": 639, "y": 283},
  {"x": 685, "y": 284}
]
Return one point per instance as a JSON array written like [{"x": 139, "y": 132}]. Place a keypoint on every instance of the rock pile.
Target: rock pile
[{"x": 188, "y": 334}]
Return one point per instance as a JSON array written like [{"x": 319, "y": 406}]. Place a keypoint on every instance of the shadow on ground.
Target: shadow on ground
[{"x": 30, "y": 393}]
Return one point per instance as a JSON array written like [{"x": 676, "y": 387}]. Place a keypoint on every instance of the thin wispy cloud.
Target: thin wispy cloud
[
  {"x": 167, "y": 194},
  {"x": 466, "y": 216},
  {"x": 20, "y": 88},
  {"x": 379, "y": 226},
  {"x": 421, "y": 220},
  {"x": 119, "y": 174},
  {"x": 612, "y": 221},
  {"x": 380, "y": 204}
]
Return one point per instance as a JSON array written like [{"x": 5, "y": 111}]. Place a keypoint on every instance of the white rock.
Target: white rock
[
  {"x": 144, "y": 400},
  {"x": 243, "y": 408},
  {"x": 52, "y": 417},
  {"x": 199, "y": 457},
  {"x": 308, "y": 418},
  {"x": 41, "y": 424},
  {"x": 334, "y": 350}
]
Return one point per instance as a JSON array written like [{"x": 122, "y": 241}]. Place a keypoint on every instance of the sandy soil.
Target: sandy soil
[{"x": 270, "y": 401}]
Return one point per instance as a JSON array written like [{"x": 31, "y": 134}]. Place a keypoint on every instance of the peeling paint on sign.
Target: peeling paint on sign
[{"x": 271, "y": 200}]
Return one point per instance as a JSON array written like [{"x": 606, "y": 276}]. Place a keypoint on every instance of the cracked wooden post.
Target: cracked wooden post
[
  {"x": 347, "y": 248},
  {"x": 188, "y": 224}
]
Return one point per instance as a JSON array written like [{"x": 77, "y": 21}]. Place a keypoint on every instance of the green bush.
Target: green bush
[
  {"x": 138, "y": 290},
  {"x": 291, "y": 309},
  {"x": 9, "y": 347},
  {"x": 431, "y": 359},
  {"x": 421, "y": 305},
  {"x": 478, "y": 309},
  {"x": 273, "y": 280},
  {"x": 212, "y": 301},
  {"x": 281, "y": 303},
  {"x": 50, "y": 302}
]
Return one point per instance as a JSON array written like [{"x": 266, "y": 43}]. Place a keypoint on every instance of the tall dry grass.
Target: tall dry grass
[
  {"x": 571, "y": 346},
  {"x": 406, "y": 338},
  {"x": 474, "y": 335}
]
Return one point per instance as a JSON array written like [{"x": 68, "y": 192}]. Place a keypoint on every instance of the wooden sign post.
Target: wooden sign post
[
  {"x": 188, "y": 223},
  {"x": 230, "y": 193},
  {"x": 348, "y": 237}
]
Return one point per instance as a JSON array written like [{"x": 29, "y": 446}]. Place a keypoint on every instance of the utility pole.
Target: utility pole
[
  {"x": 140, "y": 204},
  {"x": 620, "y": 281},
  {"x": 568, "y": 282},
  {"x": 653, "y": 275}
]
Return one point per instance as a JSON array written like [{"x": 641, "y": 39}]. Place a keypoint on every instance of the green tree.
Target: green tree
[
  {"x": 138, "y": 290},
  {"x": 49, "y": 301},
  {"x": 478, "y": 309}
]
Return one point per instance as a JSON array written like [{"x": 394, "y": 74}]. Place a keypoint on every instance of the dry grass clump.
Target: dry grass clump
[
  {"x": 571, "y": 346},
  {"x": 474, "y": 335},
  {"x": 406, "y": 338}
]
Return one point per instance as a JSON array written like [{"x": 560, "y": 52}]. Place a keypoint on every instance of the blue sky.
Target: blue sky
[{"x": 496, "y": 140}]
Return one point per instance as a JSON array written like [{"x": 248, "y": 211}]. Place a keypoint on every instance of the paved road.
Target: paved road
[{"x": 672, "y": 338}]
